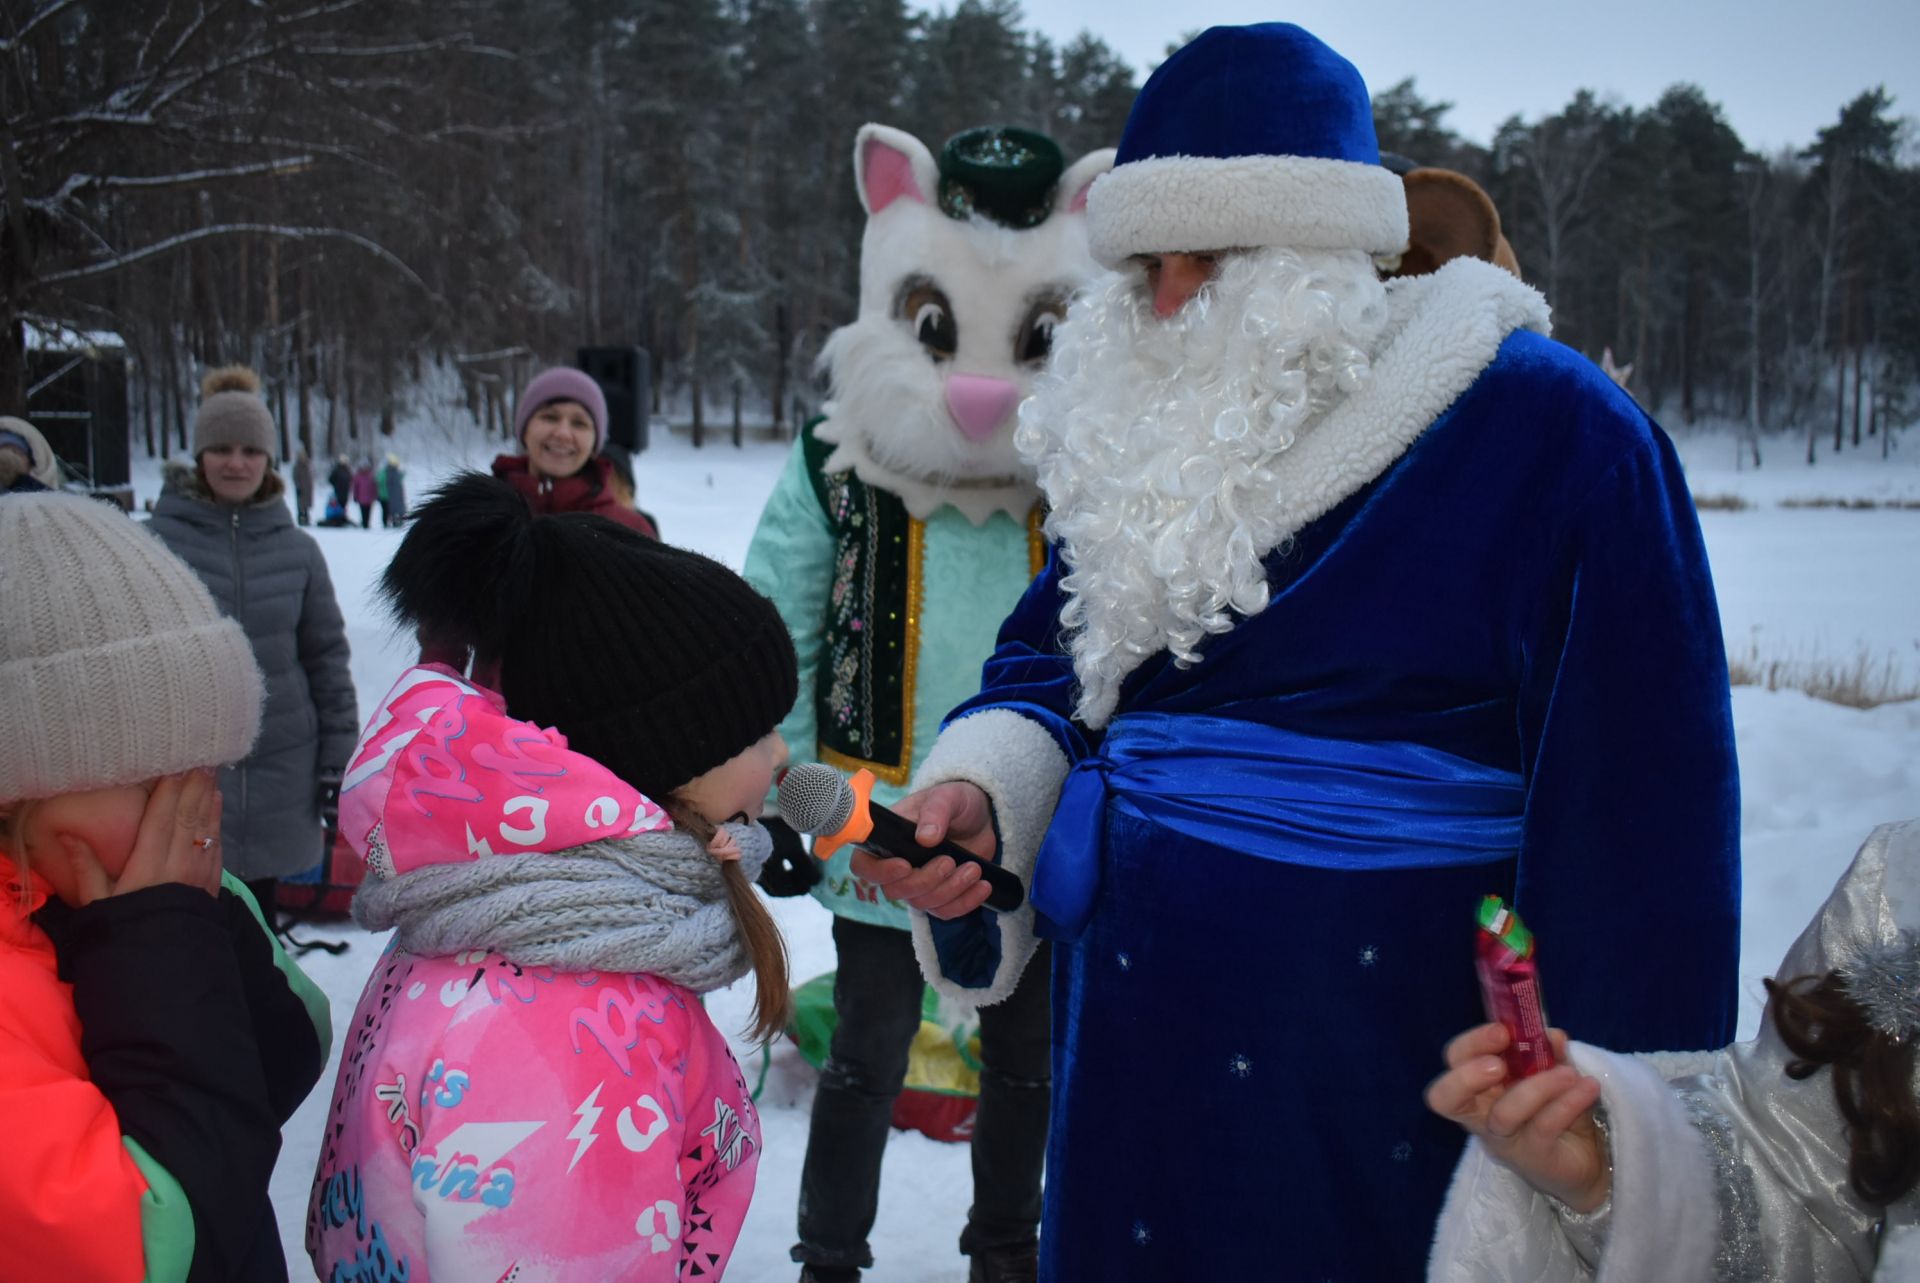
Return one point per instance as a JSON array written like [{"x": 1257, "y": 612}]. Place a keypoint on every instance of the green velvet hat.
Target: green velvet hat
[{"x": 1000, "y": 173}]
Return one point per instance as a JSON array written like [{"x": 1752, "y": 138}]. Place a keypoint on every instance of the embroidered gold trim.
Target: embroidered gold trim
[
  {"x": 897, "y": 773},
  {"x": 1036, "y": 540}
]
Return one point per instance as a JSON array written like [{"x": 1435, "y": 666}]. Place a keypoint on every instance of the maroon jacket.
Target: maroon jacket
[{"x": 577, "y": 493}]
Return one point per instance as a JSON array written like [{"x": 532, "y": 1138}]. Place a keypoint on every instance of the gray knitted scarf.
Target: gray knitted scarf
[{"x": 654, "y": 902}]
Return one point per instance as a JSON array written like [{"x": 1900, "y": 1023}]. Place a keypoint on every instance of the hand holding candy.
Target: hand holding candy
[{"x": 1541, "y": 1126}]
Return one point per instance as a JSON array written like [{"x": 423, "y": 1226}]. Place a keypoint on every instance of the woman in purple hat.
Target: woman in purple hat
[{"x": 562, "y": 423}]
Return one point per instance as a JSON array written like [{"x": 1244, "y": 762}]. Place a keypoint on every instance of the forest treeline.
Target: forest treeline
[{"x": 344, "y": 192}]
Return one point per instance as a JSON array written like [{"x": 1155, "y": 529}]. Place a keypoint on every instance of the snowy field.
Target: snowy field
[{"x": 1812, "y": 584}]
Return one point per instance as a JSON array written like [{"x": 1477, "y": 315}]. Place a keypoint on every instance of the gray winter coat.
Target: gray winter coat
[{"x": 271, "y": 577}]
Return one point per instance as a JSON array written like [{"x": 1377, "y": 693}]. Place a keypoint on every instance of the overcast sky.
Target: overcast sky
[{"x": 1779, "y": 69}]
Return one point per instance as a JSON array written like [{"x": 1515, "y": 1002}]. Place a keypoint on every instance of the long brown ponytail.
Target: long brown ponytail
[
  {"x": 1822, "y": 1025},
  {"x": 766, "y": 947}
]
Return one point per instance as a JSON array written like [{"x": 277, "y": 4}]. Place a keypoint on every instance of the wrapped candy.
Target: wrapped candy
[{"x": 1510, "y": 987}]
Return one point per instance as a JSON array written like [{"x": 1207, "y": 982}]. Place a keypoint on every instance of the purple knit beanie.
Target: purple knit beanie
[{"x": 563, "y": 383}]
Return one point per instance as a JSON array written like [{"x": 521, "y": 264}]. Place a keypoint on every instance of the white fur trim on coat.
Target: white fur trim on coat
[
  {"x": 1443, "y": 332},
  {"x": 1189, "y": 204},
  {"x": 1665, "y": 1220},
  {"x": 1020, "y": 768}
]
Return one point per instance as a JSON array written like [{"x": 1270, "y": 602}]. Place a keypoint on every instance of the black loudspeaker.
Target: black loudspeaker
[{"x": 625, "y": 375}]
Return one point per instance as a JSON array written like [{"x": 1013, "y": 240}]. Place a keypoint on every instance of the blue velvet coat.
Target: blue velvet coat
[{"x": 1496, "y": 667}]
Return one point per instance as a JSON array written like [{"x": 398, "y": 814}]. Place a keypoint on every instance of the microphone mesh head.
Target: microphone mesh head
[{"x": 813, "y": 798}]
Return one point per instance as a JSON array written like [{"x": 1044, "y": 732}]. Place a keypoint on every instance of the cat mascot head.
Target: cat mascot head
[{"x": 967, "y": 263}]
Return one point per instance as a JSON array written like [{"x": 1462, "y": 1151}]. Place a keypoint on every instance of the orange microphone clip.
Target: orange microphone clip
[{"x": 859, "y": 825}]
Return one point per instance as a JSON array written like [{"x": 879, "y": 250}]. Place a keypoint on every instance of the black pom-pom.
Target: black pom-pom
[{"x": 466, "y": 566}]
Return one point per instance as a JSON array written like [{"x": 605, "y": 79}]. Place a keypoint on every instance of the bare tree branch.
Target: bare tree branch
[
  {"x": 128, "y": 258},
  {"x": 322, "y": 11},
  {"x": 76, "y": 183},
  {"x": 462, "y": 42},
  {"x": 21, "y": 32}
]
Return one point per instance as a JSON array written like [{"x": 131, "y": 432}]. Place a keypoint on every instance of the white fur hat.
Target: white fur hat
[
  {"x": 1248, "y": 137},
  {"x": 115, "y": 665}
]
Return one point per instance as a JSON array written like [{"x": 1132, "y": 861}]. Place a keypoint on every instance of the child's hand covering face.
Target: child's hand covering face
[
  {"x": 112, "y": 841},
  {"x": 736, "y": 790}
]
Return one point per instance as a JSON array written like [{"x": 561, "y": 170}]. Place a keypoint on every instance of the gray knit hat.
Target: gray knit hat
[
  {"x": 232, "y": 412},
  {"x": 115, "y": 665}
]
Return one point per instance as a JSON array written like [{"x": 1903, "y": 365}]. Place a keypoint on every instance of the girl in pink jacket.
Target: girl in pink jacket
[{"x": 531, "y": 1089}]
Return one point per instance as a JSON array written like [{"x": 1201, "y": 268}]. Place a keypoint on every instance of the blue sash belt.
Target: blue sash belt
[{"x": 1272, "y": 794}]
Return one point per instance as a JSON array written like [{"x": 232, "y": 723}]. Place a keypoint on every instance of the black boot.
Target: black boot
[
  {"x": 1016, "y": 1263},
  {"x": 829, "y": 1274}
]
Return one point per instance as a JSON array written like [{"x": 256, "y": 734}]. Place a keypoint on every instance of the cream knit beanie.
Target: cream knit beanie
[
  {"x": 115, "y": 665},
  {"x": 232, "y": 412}
]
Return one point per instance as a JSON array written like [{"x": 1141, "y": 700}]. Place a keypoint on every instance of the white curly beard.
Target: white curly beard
[{"x": 1155, "y": 441}]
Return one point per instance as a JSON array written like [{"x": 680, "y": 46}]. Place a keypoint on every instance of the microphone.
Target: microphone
[{"x": 813, "y": 798}]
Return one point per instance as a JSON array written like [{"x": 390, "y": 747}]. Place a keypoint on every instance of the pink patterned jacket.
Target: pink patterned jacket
[{"x": 493, "y": 1122}]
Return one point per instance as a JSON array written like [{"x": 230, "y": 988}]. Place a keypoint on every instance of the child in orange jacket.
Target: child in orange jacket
[{"x": 153, "y": 1036}]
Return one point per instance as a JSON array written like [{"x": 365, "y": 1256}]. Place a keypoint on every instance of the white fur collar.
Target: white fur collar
[
  {"x": 977, "y": 501},
  {"x": 1443, "y": 331}
]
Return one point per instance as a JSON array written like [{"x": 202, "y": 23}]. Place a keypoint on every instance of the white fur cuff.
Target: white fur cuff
[
  {"x": 1189, "y": 204},
  {"x": 1664, "y": 1226},
  {"x": 1020, "y": 768}
]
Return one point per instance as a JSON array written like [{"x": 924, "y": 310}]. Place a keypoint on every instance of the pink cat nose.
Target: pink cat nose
[{"x": 980, "y": 404}]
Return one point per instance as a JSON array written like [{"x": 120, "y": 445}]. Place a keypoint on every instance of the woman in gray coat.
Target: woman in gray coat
[{"x": 231, "y": 524}]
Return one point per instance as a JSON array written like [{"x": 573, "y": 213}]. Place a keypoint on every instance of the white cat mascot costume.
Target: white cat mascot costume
[{"x": 902, "y": 532}]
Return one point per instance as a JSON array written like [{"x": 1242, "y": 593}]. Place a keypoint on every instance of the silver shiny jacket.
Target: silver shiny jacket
[{"x": 1724, "y": 1168}]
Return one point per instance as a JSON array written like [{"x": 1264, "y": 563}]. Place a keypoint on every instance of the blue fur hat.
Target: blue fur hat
[{"x": 1247, "y": 137}]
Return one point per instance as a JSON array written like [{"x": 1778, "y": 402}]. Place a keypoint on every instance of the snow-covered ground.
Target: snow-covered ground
[{"x": 1818, "y": 584}]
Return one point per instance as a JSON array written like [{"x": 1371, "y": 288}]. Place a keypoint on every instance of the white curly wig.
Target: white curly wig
[{"x": 1155, "y": 440}]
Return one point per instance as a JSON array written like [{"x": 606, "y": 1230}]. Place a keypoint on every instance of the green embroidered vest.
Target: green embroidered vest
[
  {"x": 870, "y": 642},
  {"x": 863, "y": 691}
]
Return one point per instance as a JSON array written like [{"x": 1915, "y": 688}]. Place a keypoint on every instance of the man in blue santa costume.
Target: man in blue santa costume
[{"x": 1366, "y": 600}]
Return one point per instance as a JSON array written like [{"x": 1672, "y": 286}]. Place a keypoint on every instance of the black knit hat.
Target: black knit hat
[{"x": 658, "y": 663}]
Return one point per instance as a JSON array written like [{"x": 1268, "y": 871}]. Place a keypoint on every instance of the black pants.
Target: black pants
[
  {"x": 876, "y": 1002},
  {"x": 366, "y": 516}
]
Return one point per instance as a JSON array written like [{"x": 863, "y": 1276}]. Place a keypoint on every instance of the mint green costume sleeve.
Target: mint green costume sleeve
[
  {"x": 166, "y": 1222},
  {"x": 319, "y": 1010},
  {"x": 791, "y": 561}
]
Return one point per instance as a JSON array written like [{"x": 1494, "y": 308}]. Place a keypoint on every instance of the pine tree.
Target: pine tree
[
  {"x": 1413, "y": 127},
  {"x": 1097, "y": 92}
]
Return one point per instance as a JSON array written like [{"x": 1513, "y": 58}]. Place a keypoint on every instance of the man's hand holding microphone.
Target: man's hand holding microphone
[
  {"x": 956, "y": 812},
  {"x": 814, "y": 799}
]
